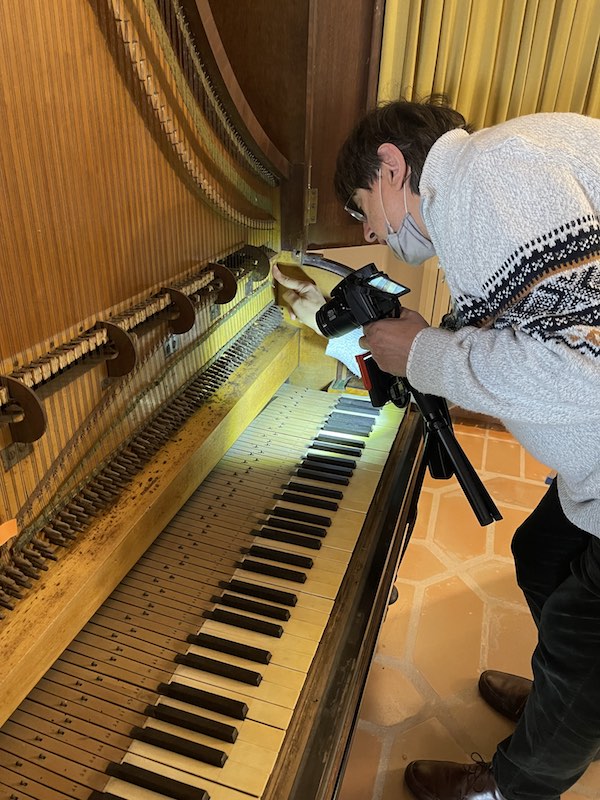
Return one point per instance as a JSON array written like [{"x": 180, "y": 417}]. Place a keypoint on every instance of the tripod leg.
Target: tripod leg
[
  {"x": 478, "y": 496},
  {"x": 439, "y": 426}
]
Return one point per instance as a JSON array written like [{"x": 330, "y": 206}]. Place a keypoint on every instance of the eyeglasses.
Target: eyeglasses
[{"x": 354, "y": 210}]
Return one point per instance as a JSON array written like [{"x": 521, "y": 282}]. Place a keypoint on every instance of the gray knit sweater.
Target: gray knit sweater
[{"x": 514, "y": 214}]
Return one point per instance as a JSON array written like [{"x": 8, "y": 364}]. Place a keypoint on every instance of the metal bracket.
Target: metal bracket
[
  {"x": 124, "y": 359},
  {"x": 25, "y": 414},
  {"x": 311, "y": 206},
  {"x": 184, "y": 319},
  {"x": 259, "y": 260},
  {"x": 226, "y": 278},
  {"x": 249, "y": 259}
]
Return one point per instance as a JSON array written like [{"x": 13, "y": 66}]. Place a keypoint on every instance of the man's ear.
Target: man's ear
[{"x": 393, "y": 164}]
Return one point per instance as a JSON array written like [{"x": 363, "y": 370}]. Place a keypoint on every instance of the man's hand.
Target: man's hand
[
  {"x": 303, "y": 297},
  {"x": 390, "y": 340}
]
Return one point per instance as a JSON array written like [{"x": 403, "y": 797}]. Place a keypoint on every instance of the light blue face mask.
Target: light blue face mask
[{"x": 407, "y": 243}]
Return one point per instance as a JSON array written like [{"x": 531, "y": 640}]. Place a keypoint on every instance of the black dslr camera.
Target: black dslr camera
[
  {"x": 362, "y": 297},
  {"x": 367, "y": 295}
]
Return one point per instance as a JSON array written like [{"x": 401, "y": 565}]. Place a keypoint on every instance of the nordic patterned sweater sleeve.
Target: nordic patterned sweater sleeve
[{"x": 506, "y": 374}]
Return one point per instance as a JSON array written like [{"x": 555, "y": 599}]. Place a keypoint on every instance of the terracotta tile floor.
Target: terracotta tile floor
[{"x": 459, "y": 611}]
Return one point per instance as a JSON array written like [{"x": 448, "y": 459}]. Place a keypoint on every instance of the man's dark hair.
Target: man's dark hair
[{"x": 412, "y": 126}]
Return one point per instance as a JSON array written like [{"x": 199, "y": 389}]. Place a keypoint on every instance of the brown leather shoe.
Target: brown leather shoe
[
  {"x": 504, "y": 692},
  {"x": 507, "y": 694},
  {"x": 445, "y": 780}
]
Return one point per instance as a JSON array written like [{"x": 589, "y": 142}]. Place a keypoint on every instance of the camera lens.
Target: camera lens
[{"x": 334, "y": 319}]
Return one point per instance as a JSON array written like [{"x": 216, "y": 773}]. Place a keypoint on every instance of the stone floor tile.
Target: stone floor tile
[
  {"x": 473, "y": 445},
  {"x": 504, "y": 457},
  {"x": 533, "y": 469},
  {"x": 497, "y": 580},
  {"x": 511, "y": 640},
  {"x": 515, "y": 492},
  {"x": 420, "y": 564},
  {"x": 389, "y": 698},
  {"x": 448, "y": 641},
  {"x": 588, "y": 785},
  {"x": 482, "y": 727},
  {"x": 457, "y": 530},
  {"x": 494, "y": 433}
]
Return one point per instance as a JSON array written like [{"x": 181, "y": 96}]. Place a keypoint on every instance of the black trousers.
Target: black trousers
[{"x": 558, "y": 569}]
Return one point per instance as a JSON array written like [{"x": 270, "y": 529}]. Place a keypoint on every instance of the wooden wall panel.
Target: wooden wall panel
[{"x": 309, "y": 70}]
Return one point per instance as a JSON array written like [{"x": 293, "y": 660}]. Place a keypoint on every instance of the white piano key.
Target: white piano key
[
  {"x": 262, "y": 711},
  {"x": 242, "y": 751},
  {"x": 272, "y": 693},
  {"x": 236, "y": 775},
  {"x": 294, "y": 644},
  {"x": 292, "y": 677},
  {"x": 216, "y": 791},
  {"x": 249, "y": 730},
  {"x": 129, "y": 791}
]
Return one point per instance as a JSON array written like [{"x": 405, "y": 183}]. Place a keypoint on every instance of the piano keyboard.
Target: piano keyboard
[{"x": 184, "y": 682}]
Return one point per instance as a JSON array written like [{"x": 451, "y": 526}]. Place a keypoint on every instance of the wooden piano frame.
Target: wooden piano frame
[{"x": 318, "y": 742}]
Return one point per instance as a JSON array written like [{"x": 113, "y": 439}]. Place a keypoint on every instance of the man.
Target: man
[{"x": 513, "y": 213}]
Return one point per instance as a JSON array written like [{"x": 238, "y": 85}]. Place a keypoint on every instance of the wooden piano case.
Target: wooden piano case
[{"x": 158, "y": 157}]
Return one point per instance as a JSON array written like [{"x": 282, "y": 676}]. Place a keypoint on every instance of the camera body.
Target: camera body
[{"x": 365, "y": 295}]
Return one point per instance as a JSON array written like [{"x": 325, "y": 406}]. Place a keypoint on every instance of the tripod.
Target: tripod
[
  {"x": 361, "y": 298},
  {"x": 444, "y": 455}
]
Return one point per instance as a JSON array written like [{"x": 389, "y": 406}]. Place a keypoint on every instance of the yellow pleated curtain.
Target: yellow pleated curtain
[{"x": 494, "y": 59}]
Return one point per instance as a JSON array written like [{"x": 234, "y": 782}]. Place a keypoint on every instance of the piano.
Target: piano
[{"x": 196, "y": 551}]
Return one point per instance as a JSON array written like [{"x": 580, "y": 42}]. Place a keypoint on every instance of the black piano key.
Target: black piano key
[
  {"x": 341, "y": 424},
  {"x": 302, "y": 500},
  {"x": 298, "y": 527},
  {"x": 321, "y": 491},
  {"x": 180, "y": 745},
  {"x": 290, "y": 538},
  {"x": 326, "y": 469},
  {"x": 263, "y": 592},
  {"x": 236, "y": 709},
  {"x": 300, "y": 516},
  {"x": 332, "y": 460},
  {"x": 275, "y": 572},
  {"x": 193, "y": 722},
  {"x": 339, "y": 480},
  {"x": 336, "y": 448},
  {"x": 358, "y": 420},
  {"x": 246, "y": 604},
  {"x": 350, "y": 430},
  {"x": 222, "y": 668},
  {"x": 233, "y": 648},
  {"x": 156, "y": 783},
  {"x": 242, "y": 621},
  {"x": 328, "y": 437},
  {"x": 282, "y": 556},
  {"x": 360, "y": 406}
]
